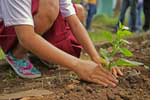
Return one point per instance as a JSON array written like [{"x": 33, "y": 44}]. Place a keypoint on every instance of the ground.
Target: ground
[{"x": 65, "y": 85}]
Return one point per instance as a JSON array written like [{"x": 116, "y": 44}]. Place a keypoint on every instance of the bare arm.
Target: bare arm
[
  {"x": 40, "y": 47},
  {"x": 87, "y": 70},
  {"x": 82, "y": 35}
]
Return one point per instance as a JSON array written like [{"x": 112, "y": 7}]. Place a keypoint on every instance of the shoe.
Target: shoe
[{"x": 23, "y": 67}]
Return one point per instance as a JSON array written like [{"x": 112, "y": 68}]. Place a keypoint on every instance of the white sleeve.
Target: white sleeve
[
  {"x": 66, "y": 8},
  {"x": 17, "y": 12}
]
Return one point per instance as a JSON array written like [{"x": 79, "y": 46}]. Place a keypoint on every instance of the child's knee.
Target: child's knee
[
  {"x": 46, "y": 16},
  {"x": 53, "y": 9},
  {"x": 80, "y": 12}
]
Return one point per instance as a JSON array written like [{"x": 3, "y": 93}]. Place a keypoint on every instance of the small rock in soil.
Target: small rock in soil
[
  {"x": 110, "y": 95},
  {"x": 89, "y": 89}
]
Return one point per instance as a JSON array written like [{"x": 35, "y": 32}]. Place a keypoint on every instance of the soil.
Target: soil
[{"x": 65, "y": 85}]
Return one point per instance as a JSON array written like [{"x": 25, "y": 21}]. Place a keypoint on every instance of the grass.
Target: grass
[
  {"x": 103, "y": 19},
  {"x": 100, "y": 36},
  {"x": 103, "y": 23}
]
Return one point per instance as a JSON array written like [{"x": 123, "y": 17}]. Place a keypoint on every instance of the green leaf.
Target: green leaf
[
  {"x": 125, "y": 62},
  {"x": 104, "y": 53},
  {"x": 125, "y": 41},
  {"x": 126, "y": 52},
  {"x": 123, "y": 33},
  {"x": 109, "y": 36},
  {"x": 112, "y": 64},
  {"x": 2, "y": 55}
]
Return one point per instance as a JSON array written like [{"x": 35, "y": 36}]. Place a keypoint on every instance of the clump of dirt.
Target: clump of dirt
[{"x": 133, "y": 86}]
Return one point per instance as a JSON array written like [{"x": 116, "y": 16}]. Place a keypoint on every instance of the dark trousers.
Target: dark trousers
[
  {"x": 138, "y": 19},
  {"x": 124, "y": 7},
  {"x": 91, "y": 12},
  {"x": 146, "y": 9}
]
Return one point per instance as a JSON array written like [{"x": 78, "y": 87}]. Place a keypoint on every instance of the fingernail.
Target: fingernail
[
  {"x": 106, "y": 85},
  {"x": 114, "y": 85},
  {"x": 117, "y": 80}
]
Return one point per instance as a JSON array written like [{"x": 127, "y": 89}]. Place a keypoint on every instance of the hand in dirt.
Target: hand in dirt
[
  {"x": 92, "y": 72},
  {"x": 116, "y": 71}
]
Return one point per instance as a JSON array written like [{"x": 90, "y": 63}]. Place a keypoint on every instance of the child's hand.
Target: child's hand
[
  {"x": 116, "y": 71},
  {"x": 92, "y": 72}
]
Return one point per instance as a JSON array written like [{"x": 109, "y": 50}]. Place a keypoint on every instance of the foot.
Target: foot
[{"x": 23, "y": 67}]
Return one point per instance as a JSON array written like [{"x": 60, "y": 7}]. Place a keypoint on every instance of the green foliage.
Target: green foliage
[
  {"x": 126, "y": 52},
  {"x": 118, "y": 42},
  {"x": 125, "y": 62},
  {"x": 123, "y": 31},
  {"x": 108, "y": 36},
  {"x": 76, "y": 1},
  {"x": 2, "y": 55},
  {"x": 100, "y": 35},
  {"x": 103, "y": 19}
]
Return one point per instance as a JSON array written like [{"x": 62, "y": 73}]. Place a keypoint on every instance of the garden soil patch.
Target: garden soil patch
[{"x": 65, "y": 85}]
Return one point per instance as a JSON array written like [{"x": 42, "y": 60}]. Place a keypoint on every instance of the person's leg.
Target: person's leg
[
  {"x": 138, "y": 15},
  {"x": 146, "y": 9},
  {"x": 117, "y": 7},
  {"x": 80, "y": 12},
  {"x": 139, "y": 11},
  {"x": 91, "y": 12},
  {"x": 16, "y": 56},
  {"x": 133, "y": 14},
  {"x": 124, "y": 6}
]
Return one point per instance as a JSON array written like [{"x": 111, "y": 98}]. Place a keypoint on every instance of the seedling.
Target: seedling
[{"x": 117, "y": 47}]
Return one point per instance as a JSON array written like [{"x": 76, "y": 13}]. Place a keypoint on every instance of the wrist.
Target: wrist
[
  {"x": 97, "y": 59},
  {"x": 75, "y": 65}
]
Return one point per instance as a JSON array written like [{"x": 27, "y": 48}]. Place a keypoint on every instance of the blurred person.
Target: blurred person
[
  {"x": 92, "y": 8},
  {"x": 146, "y": 10},
  {"x": 125, "y": 5},
  {"x": 117, "y": 7},
  {"x": 139, "y": 16}
]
